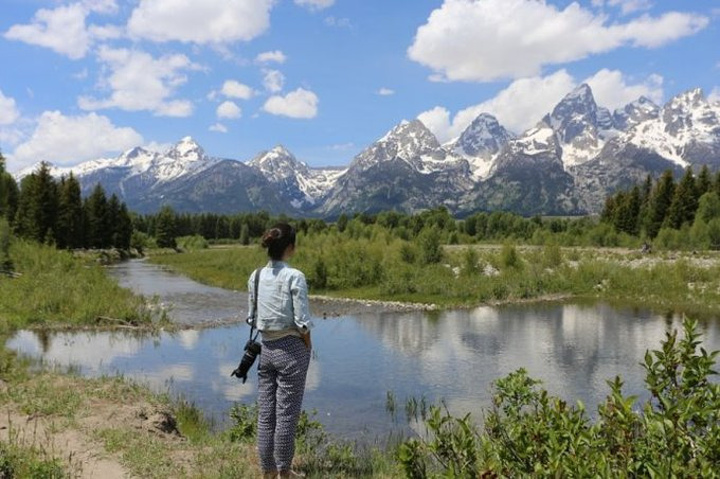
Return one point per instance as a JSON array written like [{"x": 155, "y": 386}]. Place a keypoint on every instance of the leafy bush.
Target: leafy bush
[{"x": 527, "y": 432}]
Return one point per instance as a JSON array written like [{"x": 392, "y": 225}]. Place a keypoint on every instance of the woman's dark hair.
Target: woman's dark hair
[{"x": 277, "y": 239}]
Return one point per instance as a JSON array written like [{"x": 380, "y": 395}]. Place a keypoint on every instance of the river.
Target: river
[{"x": 358, "y": 358}]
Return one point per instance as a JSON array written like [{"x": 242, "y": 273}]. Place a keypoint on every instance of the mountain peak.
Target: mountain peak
[
  {"x": 187, "y": 149},
  {"x": 485, "y": 135},
  {"x": 690, "y": 98}
]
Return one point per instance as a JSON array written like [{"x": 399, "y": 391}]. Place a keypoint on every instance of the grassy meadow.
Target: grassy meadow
[{"x": 384, "y": 267}]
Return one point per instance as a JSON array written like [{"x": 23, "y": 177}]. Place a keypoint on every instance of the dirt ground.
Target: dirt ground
[{"x": 73, "y": 440}]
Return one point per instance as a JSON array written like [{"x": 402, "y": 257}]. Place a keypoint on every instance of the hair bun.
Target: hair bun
[{"x": 271, "y": 235}]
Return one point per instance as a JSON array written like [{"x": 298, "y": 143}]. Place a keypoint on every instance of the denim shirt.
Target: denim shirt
[{"x": 282, "y": 299}]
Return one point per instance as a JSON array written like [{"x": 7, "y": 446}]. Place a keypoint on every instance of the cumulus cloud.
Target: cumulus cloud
[
  {"x": 205, "y": 22},
  {"x": 385, "y": 92},
  {"x": 218, "y": 128},
  {"x": 67, "y": 140},
  {"x": 342, "y": 22},
  {"x": 714, "y": 96},
  {"x": 62, "y": 30},
  {"x": 315, "y": 4},
  {"x": 229, "y": 110},
  {"x": 612, "y": 90},
  {"x": 496, "y": 39},
  {"x": 274, "y": 56},
  {"x": 9, "y": 112},
  {"x": 626, "y": 6},
  {"x": 524, "y": 102},
  {"x": 273, "y": 81},
  {"x": 300, "y": 103},
  {"x": 141, "y": 82},
  {"x": 235, "y": 89}
]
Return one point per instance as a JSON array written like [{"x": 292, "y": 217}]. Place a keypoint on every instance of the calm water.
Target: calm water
[{"x": 452, "y": 355}]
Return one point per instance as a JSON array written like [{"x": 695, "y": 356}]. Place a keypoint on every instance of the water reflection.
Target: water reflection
[{"x": 455, "y": 355}]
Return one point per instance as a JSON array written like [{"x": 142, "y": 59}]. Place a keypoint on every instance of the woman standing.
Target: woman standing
[{"x": 284, "y": 322}]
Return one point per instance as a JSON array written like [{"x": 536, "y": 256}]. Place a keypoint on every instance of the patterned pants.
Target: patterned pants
[{"x": 282, "y": 370}]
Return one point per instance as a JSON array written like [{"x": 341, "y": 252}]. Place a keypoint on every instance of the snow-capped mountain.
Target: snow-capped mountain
[
  {"x": 406, "y": 169},
  {"x": 481, "y": 143},
  {"x": 566, "y": 164},
  {"x": 302, "y": 185}
]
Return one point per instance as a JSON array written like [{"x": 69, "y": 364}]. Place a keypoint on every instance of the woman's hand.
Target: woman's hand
[{"x": 308, "y": 342}]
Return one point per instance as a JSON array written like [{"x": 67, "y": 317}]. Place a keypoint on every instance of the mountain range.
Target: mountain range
[{"x": 565, "y": 165}]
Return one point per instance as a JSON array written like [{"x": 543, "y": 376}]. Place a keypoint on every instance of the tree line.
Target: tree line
[
  {"x": 682, "y": 212},
  {"x": 53, "y": 211}
]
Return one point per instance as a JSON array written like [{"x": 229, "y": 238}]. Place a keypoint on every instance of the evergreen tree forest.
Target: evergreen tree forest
[
  {"x": 673, "y": 213},
  {"x": 52, "y": 211}
]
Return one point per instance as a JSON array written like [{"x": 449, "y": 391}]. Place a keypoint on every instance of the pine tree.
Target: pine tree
[
  {"x": 627, "y": 212},
  {"x": 716, "y": 185},
  {"x": 123, "y": 229},
  {"x": 244, "y": 234},
  {"x": 99, "y": 228},
  {"x": 703, "y": 184},
  {"x": 113, "y": 219},
  {"x": 660, "y": 200},
  {"x": 165, "y": 228},
  {"x": 37, "y": 209},
  {"x": 8, "y": 192},
  {"x": 685, "y": 202},
  {"x": 70, "y": 226}
]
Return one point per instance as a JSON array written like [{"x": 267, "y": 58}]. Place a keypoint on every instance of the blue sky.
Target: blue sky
[{"x": 84, "y": 79}]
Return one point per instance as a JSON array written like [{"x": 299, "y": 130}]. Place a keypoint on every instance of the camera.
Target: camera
[{"x": 252, "y": 349}]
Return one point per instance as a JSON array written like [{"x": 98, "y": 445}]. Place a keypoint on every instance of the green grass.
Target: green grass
[
  {"x": 54, "y": 288},
  {"x": 383, "y": 269}
]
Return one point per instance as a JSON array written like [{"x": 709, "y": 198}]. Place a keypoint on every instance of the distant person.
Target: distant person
[{"x": 283, "y": 320}]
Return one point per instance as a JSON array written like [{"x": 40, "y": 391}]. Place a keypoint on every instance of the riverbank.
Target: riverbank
[
  {"x": 52, "y": 288},
  {"x": 478, "y": 275},
  {"x": 56, "y": 424}
]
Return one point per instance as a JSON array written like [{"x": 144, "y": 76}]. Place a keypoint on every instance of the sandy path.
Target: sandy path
[{"x": 83, "y": 456}]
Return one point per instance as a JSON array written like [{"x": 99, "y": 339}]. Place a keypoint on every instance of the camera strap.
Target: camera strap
[{"x": 255, "y": 303}]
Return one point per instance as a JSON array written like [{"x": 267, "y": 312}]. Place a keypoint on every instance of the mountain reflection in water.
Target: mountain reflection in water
[{"x": 452, "y": 355}]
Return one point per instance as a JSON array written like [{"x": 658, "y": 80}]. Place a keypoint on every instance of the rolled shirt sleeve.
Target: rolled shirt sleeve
[
  {"x": 301, "y": 310},
  {"x": 251, "y": 299}
]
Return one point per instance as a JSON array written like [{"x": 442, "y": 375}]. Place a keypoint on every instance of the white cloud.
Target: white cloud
[
  {"x": 300, "y": 103},
  {"x": 519, "y": 106},
  {"x": 218, "y": 128},
  {"x": 66, "y": 140},
  {"x": 611, "y": 89},
  {"x": 101, "y": 6},
  {"x": 140, "y": 82},
  {"x": 274, "y": 81},
  {"x": 315, "y": 4},
  {"x": 201, "y": 22},
  {"x": 275, "y": 56},
  {"x": 235, "y": 89},
  {"x": 626, "y": 6},
  {"x": 9, "y": 112},
  {"x": 62, "y": 30},
  {"x": 229, "y": 110},
  {"x": 338, "y": 22},
  {"x": 496, "y": 39},
  {"x": 385, "y": 91},
  {"x": 714, "y": 96},
  {"x": 524, "y": 102}
]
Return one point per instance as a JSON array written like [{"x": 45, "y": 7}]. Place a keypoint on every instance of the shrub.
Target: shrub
[{"x": 530, "y": 433}]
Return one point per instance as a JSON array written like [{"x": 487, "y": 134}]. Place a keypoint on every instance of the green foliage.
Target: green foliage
[
  {"x": 684, "y": 203},
  {"x": 55, "y": 287},
  {"x": 431, "y": 251},
  {"x": 28, "y": 462},
  {"x": 192, "y": 243},
  {"x": 530, "y": 433},
  {"x": 165, "y": 230},
  {"x": 244, "y": 423},
  {"x": 6, "y": 263},
  {"x": 53, "y": 212},
  {"x": 509, "y": 257},
  {"x": 8, "y": 192}
]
